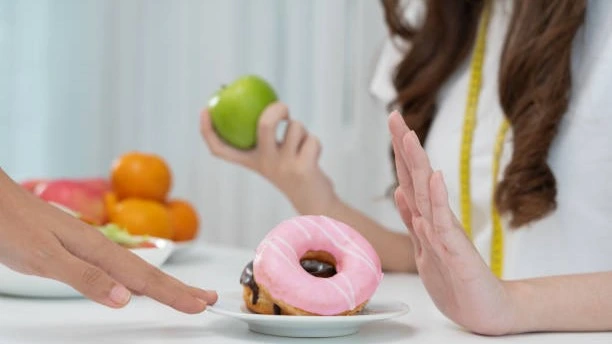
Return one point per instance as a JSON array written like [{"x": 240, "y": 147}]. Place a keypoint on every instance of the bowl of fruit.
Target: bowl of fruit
[{"x": 135, "y": 197}]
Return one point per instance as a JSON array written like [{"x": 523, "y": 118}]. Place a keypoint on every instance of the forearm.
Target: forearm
[
  {"x": 563, "y": 303},
  {"x": 394, "y": 249}
]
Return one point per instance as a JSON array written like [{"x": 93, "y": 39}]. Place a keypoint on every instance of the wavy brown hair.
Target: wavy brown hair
[{"x": 534, "y": 84}]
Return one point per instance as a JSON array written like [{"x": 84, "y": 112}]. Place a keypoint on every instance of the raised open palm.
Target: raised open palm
[{"x": 455, "y": 275}]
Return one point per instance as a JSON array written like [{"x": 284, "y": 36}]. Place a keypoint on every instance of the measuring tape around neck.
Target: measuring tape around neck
[{"x": 469, "y": 124}]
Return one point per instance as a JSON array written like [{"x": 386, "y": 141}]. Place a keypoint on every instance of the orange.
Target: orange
[
  {"x": 184, "y": 218},
  {"x": 141, "y": 175},
  {"x": 140, "y": 216}
]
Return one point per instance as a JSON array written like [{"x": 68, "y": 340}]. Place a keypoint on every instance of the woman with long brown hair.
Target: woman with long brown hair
[{"x": 509, "y": 100}]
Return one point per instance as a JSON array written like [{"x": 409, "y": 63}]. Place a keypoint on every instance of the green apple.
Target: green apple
[{"x": 235, "y": 110}]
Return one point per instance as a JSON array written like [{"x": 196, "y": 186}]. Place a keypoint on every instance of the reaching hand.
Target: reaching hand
[
  {"x": 458, "y": 280},
  {"x": 291, "y": 165},
  {"x": 39, "y": 239}
]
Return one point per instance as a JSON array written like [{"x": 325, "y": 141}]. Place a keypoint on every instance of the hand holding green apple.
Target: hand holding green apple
[
  {"x": 290, "y": 163},
  {"x": 235, "y": 110}
]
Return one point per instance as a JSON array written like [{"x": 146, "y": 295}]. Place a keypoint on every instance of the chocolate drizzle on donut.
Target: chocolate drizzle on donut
[
  {"x": 312, "y": 266},
  {"x": 247, "y": 279}
]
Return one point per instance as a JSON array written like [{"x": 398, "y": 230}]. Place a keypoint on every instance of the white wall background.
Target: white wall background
[{"x": 82, "y": 81}]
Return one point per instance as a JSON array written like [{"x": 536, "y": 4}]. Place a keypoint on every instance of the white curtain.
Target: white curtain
[{"x": 83, "y": 81}]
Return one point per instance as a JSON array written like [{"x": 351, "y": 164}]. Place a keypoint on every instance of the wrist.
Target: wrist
[
  {"x": 520, "y": 297},
  {"x": 317, "y": 204}
]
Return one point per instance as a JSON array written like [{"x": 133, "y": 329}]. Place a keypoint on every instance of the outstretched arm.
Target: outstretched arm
[
  {"x": 39, "y": 239},
  {"x": 563, "y": 303},
  {"x": 459, "y": 281}
]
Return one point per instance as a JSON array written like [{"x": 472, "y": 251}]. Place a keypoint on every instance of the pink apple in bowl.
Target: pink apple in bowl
[
  {"x": 31, "y": 184},
  {"x": 95, "y": 184},
  {"x": 85, "y": 197}
]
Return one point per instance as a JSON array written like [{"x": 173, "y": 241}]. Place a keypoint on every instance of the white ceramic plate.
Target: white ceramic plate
[
  {"x": 16, "y": 284},
  {"x": 232, "y": 305}
]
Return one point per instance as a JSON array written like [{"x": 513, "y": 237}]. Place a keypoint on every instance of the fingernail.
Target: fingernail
[
  {"x": 214, "y": 297},
  {"x": 120, "y": 295}
]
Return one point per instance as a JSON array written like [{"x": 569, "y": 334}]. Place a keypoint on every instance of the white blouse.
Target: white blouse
[{"x": 577, "y": 236}]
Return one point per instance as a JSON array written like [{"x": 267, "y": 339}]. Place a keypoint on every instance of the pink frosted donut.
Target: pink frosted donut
[{"x": 278, "y": 271}]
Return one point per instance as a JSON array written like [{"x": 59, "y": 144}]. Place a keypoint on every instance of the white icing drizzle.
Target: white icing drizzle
[
  {"x": 353, "y": 243},
  {"x": 286, "y": 244},
  {"x": 353, "y": 253},
  {"x": 347, "y": 238},
  {"x": 349, "y": 301},
  {"x": 279, "y": 251},
  {"x": 302, "y": 228},
  {"x": 350, "y": 287}
]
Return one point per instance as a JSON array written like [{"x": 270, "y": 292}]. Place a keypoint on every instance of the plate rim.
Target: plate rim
[{"x": 402, "y": 309}]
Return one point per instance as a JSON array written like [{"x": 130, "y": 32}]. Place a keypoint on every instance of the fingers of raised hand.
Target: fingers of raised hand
[
  {"x": 404, "y": 178},
  {"x": 407, "y": 216},
  {"x": 445, "y": 223},
  {"x": 427, "y": 237},
  {"x": 420, "y": 171},
  {"x": 440, "y": 234},
  {"x": 397, "y": 126},
  {"x": 442, "y": 215},
  {"x": 398, "y": 130}
]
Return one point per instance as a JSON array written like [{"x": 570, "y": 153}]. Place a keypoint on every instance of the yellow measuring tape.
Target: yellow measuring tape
[{"x": 469, "y": 123}]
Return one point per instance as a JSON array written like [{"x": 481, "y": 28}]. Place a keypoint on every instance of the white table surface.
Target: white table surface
[{"x": 25, "y": 320}]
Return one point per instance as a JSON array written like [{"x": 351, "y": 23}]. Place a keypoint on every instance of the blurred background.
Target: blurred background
[{"x": 83, "y": 81}]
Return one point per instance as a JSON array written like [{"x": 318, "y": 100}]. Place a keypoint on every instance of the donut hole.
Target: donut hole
[{"x": 319, "y": 263}]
